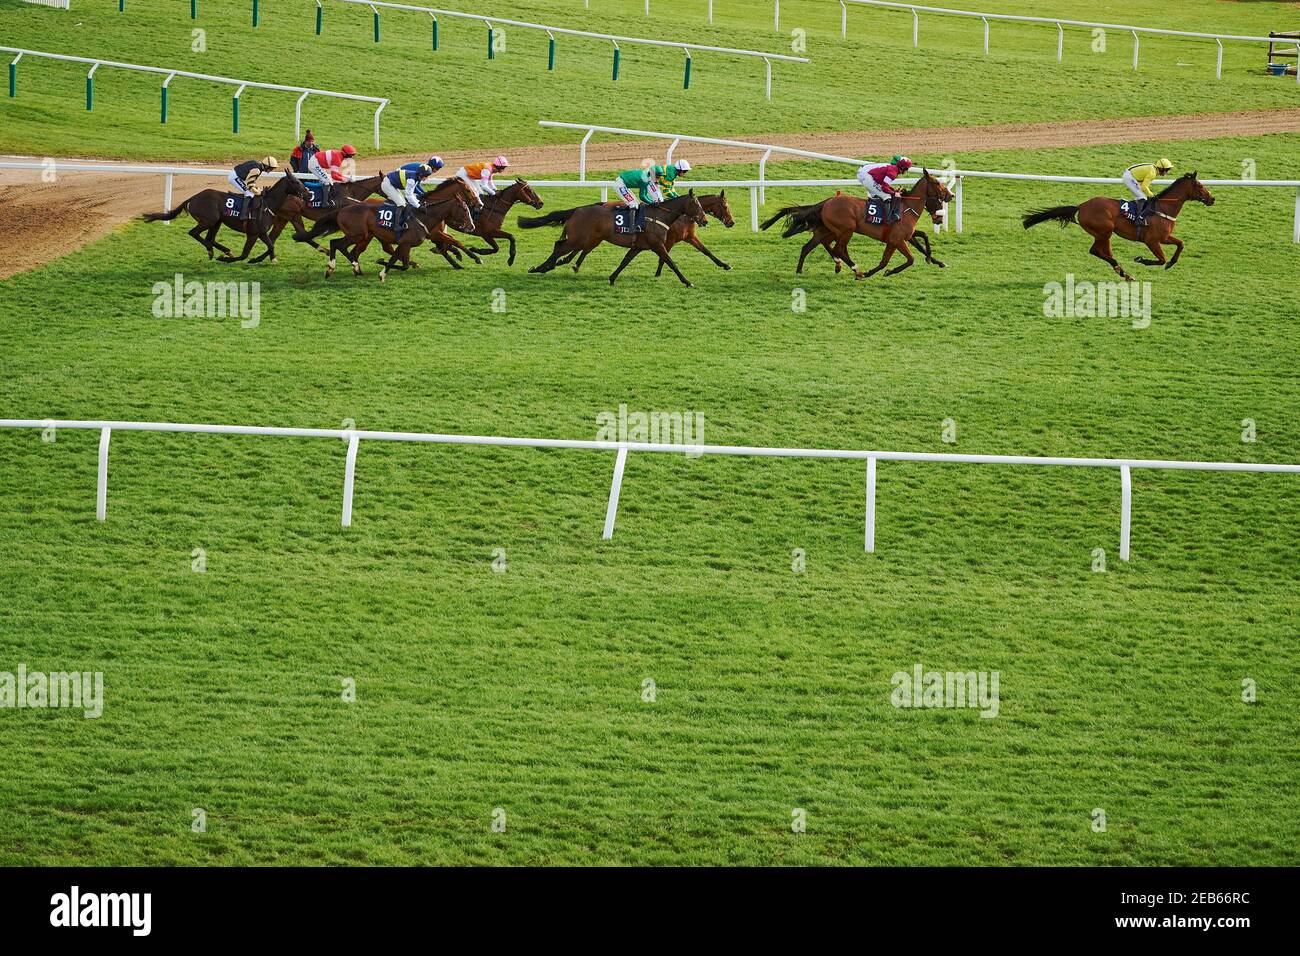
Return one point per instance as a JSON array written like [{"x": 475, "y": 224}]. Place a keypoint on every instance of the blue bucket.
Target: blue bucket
[{"x": 1277, "y": 69}]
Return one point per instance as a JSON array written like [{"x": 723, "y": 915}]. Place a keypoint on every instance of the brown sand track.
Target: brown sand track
[{"x": 40, "y": 221}]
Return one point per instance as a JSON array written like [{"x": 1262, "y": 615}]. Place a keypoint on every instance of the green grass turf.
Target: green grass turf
[
  {"x": 522, "y": 690},
  {"x": 456, "y": 97}
]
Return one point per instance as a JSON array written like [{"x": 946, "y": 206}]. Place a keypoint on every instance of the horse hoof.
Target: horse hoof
[
  {"x": 382, "y": 273},
  {"x": 275, "y": 262},
  {"x": 726, "y": 267}
]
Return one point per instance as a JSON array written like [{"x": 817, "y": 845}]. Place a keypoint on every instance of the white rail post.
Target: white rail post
[
  {"x": 1218, "y": 66},
  {"x": 647, "y": 8},
  {"x": 753, "y": 208},
  {"x": 672, "y": 148},
  {"x": 167, "y": 195},
  {"x": 986, "y": 35},
  {"x": 916, "y": 30},
  {"x": 101, "y": 486},
  {"x": 297, "y": 118},
  {"x": 960, "y": 204},
  {"x": 871, "y": 506},
  {"x": 1295, "y": 230},
  {"x": 1135, "y": 49},
  {"x": 776, "y": 17},
  {"x": 844, "y": 20},
  {"x": 604, "y": 194},
  {"x": 582, "y": 155},
  {"x": 378, "y": 110},
  {"x": 611, "y": 512},
  {"x": 768, "y": 64},
  {"x": 762, "y": 177},
  {"x": 1125, "y": 510},
  {"x": 710, "y": 11},
  {"x": 1060, "y": 43},
  {"x": 349, "y": 479}
]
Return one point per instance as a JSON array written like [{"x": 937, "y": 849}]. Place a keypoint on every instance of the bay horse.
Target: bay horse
[
  {"x": 1101, "y": 218},
  {"x": 295, "y": 210},
  {"x": 360, "y": 224},
  {"x": 208, "y": 207},
  {"x": 487, "y": 224},
  {"x": 586, "y": 227},
  {"x": 683, "y": 230},
  {"x": 836, "y": 220},
  {"x": 447, "y": 189}
]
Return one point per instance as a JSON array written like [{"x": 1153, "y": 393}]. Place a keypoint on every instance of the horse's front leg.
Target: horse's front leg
[
  {"x": 921, "y": 242},
  {"x": 492, "y": 249},
  {"x": 1172, "y": 240},
  {"x": 661, "y": 251},
  {"x": 884, "y": 260},
  {"x": 250, "y": 237},
  {"x": 694, "y": 240},
  {"x": 906, "y": 265}
]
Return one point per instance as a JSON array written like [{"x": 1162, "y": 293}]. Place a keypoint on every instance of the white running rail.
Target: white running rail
[
  {"x": 1060, "y": 22},
  {"x": 171, "y": 74},
  {"x": 490, "y": 21},
  {"x": 354, "y": 437}
]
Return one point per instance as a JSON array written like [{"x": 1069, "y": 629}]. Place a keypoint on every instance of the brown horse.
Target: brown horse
[
  {"x": 210, "y": 211},
  {"x": 836, "y": 220},
  {"x": 295, "y": 210},
  {"x": 487, "y": 224},
  {"x": 360, "y": 223},
  {"x": 1101, "y": 218},
  {"x": 682, "y": 230},
  {"x": 586, "y": 227},
  {"x": 447, "y": 189}
]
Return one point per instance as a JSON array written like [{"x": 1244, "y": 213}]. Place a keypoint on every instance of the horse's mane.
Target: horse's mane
[{"x": 1184, "y": 176}]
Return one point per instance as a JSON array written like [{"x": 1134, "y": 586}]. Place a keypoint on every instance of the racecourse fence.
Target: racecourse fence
[
  {"x": 493, "y": 22},
  {"x": 171, "y": 74},
  {"x": 59, "y": 4},
  {"x": 953, "y": 177},
  {"x": 1061, "y": 23},
  {"x": 354, "y": 437}
]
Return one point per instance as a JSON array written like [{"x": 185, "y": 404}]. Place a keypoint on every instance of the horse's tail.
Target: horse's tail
[
  {"x": 1062, "y": 214},
  {"x": 324, "y": 225},
  {"x": 559, "y": 217},
  {"x": 801, "y": 218},
  {"x": 166, "y": 216}
]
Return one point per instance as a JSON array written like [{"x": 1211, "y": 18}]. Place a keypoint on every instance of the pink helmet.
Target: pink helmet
[{"x": 500, "y": 162}]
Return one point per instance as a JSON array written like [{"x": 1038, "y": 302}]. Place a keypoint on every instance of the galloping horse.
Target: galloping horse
[
  {"x": 683, "y": 229},
  {"x": 586, "y": 227},
  {"x": 360, "y": 223},
  {"x": 447, "y": 189},
  {"x": 208, "y": 209},
  {"x": 1101, "y": 218},
  {"x": 487, "y": 224},
  {"x": 294, "y": 210},
  {"x": 841, "y": 217}
]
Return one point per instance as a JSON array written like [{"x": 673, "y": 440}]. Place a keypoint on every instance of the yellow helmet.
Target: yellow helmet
[
  {"x": 1164, "y": 165},
  {"x": 269, "y": 162}
]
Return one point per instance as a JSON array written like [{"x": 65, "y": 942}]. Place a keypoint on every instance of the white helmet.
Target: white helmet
[{"x": 683, "y": 166}]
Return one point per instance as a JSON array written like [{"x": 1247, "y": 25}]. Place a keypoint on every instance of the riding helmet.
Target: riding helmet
[
  {"x": 348, "y": 150},
  {"x": 436, "y": 163}
]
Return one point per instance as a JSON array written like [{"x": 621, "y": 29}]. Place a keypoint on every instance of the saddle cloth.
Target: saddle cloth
[
  {"x": 233, "y": 207},
  {"x": 880, "y": 213},
  {"x": 628, "y": 220},
  {"x": 1134, "y": 210},
  {"x": 317, "y": 191},
  {"x": 389, "y": 216}
]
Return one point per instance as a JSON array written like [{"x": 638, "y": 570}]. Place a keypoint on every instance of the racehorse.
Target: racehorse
[
  {"x": 1101, "y": 218},
  {"x": 586, "y": 227},
  {"x": 447, "y": 189},
  {"x": 487, "y": 224},
  {"x": 683, "y": 229},
  {"x": 294, "y": 210},
  {"x": 208, "y": 208},
  {"x": 360, "y": 223},
  {"x": 836, "y": 220}
]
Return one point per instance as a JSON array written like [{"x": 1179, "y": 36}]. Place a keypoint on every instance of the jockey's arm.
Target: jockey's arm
[{"x": 487, "y": 184}]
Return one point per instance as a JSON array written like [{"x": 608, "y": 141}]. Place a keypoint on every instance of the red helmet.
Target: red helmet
[{"x": 348, "y": 149}]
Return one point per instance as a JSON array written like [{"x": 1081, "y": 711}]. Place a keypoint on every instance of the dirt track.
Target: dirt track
[{"x": 40, "y": 221}]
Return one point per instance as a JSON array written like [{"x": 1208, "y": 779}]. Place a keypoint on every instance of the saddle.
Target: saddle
[
  {"x": 628, "y": 221},
  {"x": 883, "y": 213}
]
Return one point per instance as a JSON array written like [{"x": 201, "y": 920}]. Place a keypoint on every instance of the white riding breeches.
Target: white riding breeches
[
  {"x": 238, "y": 184},
  {"x": 629, "y": 198},
  {"x": 395, "y": 195},
  {"x": 1133, "y": 186}
]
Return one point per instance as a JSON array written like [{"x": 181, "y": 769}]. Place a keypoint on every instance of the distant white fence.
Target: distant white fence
[
  {"x": 955, "y": 178},
  {"x": 60, "y": 4},
  {"x": 171, "y": 74},
  {"x": 491, "y": 22},
  {"x": 354, "y": 437},
  {"x": 916, "y": 10}
]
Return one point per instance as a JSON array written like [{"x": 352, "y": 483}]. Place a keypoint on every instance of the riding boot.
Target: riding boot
[{"x": 402, "y": 218}]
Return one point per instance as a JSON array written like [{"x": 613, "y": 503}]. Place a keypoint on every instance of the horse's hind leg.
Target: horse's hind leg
[
  {"x": 249, "y": 239},
  {"x": 1101, "y": 249},
  {"x": 582, "y": 257},
  {"x": 212, "y": 239},
  {"x": 205, "y": 243},
  {"x": 808, "y": 247},
  {"x": 561, "y": 247},
  {"x": 631, "y": 254}
]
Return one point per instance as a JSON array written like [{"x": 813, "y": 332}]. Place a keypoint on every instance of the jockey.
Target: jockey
[
  {"x": 327, "y": 166},
  {"x": 400, "y": 186},
  {"x": 435, "y": 163},
  {"x": 244, "y": 176},
  {"x": 1139, "y": 178},
  {"x": 666, "y": 177},
  {"x": 878, "y": 178},
  {"x": 302, "y": 153},
  {"x": 479, "y": 175},
  {"x": 643, "y": 180}
]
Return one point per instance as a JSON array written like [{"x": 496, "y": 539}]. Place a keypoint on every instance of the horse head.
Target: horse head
[
  {"x": 717, "y": 207},
  {"x": 691, "y": 207},
  {"x": 526, "y": 194}
]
